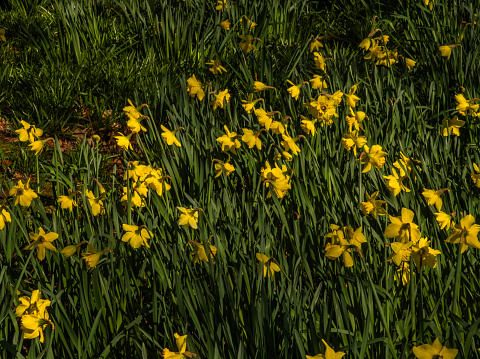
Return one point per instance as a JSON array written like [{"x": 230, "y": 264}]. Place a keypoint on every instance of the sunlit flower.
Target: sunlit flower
[
  {"x": 269, "y": 267},
  {"x": 136, "y": 236},
  {"x": 24, "y": 195},
  {"x": 42, "y": 241}
]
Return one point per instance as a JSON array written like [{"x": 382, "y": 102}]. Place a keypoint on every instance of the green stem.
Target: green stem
[
  {"x": 456, "y": 291},
  {"x": 420, "y": 319},
  {"x": 38, "y": 174}
]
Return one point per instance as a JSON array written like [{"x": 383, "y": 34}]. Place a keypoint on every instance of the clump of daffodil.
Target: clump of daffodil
[
  {"x": 329, "y": 353},
  {"x": 451, "y": 126},
  {"x": 401, "y": 252},
  {"x": 249, "y": 105},
  {"x": 229, "y": 141},
  {"x": 195, "y": 88},
  {"x": 352, "y": 140},
  {"x": 199, "y": 253},
  {"x": 34, "y": 316},
  {"x": 29, "y": 132},
  {"x": 250, "y": 25},
  {"x": 221, "y": 99},
  {"x": 169, "y": 136},
  {"x": 123, "y": 141},
  {"x": 465, "y": 233},
  {"x": 445, "y": 220},
  {"x": 429, "y": 3},
  {"x": 68, "y": 202},
  {"x": 435, "y": 350},
  {"x": 269, "y": 267},
  {"x": 433, "y": 197},
  {"x": 294, "y": 90},
  {"x": 137, "y": 236},
  {"x": 402, "y": 227},
  {"x": 134, "y": 117},
  {"x": 289, "y": 143},
  {"x": 225, "y": 25},
  {"x": 405, "y": 166},
  {"x": 156, "y": 181},
  {"x": 37, "y": 146},
  {"x": 217, "y": 67},
  {"x": 395, "y": 183},
  {"x": 373, "y": 205},
  {"x": 135, "y": 171},
  {"x": 189, "y": 217},
  {"x": 23, "y": 194},
  {"x": 68, "y": 251},
  {"x": 308, "y": 126},
  {"x": 279, "y": 127},
  {"x": 222, "y": 5},
  {"x": 464, "y": 106},
  {"x": 476, "y": 175},
  {"x": 42, "y": 241},
  {"x": 277, "y": 179},
  {"x": 92, "y": 257},
  {"x": 355, "y": 120},
  {"x": 372, "y": 157},
  {"x": 318, "y": 82},
  {"x": 342, "y": 240},
  {"x": 247, "y": 45},
  {"x": 182, "y": 353},
  {"x": 260, "y": 86},
  {"x": 252, "y": 139},
  {"x": 446, "y": 50},
  {"x": 351, "y": 99},
  {"x": 4, "y": 216}
]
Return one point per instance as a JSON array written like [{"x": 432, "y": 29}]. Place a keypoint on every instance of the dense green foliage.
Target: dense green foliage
[{"x": 72, "y": 65}]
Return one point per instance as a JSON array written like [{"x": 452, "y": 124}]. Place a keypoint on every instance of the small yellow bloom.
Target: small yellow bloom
[
  {"x": 67, "y": 202},
  {"x": 250, "y": 24},
  {"x": 37, "y": 146},
  {"x": 329, "y": 353},
  {"x": 68, "y": 251},
  {"x": 308, "y": 126},
  {"x": 476, "y": 176},
  {"x": 446, "y": 50},
  {"x": 372, "y": 157},
  {"x": 229, "y": 141},
  {"x": 95, "y": 203},
  {"x": 222, "y": 5},
  {"x": 42, "y": 241},
  {"x": 169, "y": 136},
  {"x": 433, "y": 197},
  {"x": 318, "y": 82},
  {"x": 352, "y": 140},
  {"x": 225, "y": 25},
  {"x": 410, "y": 63},
  {"x": 395, "y": 184},
  {"x": 91, "y": 256},
  {"x": 402, "y": 227},
  {"x": 315, "y": 45},
  {"x": 423, "y": 255},
  {"x": 465, "y": 233},
  {"x": 199, "y": 252},
  {"x": 269, "y": 267},
  {"x": 373, "y": 205},
  {"x": 136, "y": 236},
  {"x": 252, "y": 138},
  {"x": 249, "y": 105},
  {"x": 220, "y": 99},
  {"x": 4, "y": 217},
  {"x": 260, "y": 86},
  {"x": 445, "y": 220},
  {"x": 247, "y": 45},
  {"x": 351, "y": 98},
  {"x": 189, "y": 217},
  {"x": 217, "y": 67},
  {"x": 123, "y": 141},
  {"x": 294, "y": 91},
  {"x": 28, "y": 133},
  {"x": 435, "y": 350},
  {"x": 451, "y": 127},
  {"x": 24, "y": 195},
  {"x": 195, "y": 88}
]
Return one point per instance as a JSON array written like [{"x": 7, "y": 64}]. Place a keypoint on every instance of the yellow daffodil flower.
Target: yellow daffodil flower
[
  {"x": 401, "y": 252},
  {"x": 199, "y": 253},
  {"x": 404, "y": 272},
  {"x": 24, "y": 195},
  {"x": 373, "y": 205},
  {"x": 446, "y": 50},
  {"x": 189, "y": 217},
  {"x": 223, "y": 167},
  {"x": 308, "y": 126},
  {"x": 395, "y": 183},
  {"x": 464, "y": 106},
  {"x": 28, "y": 133},
  {"x": 123, "y": 141},
  {"x": 402, "y": 227},
  {"x": 68, "y": 251},
  {"x": 351, "y": 98},
  {"x": 252, "y": 138},
  {"x": 289, "y": 144},
  {"x": 195, "y": 88},
  {"x": 445, "y": 220},
  {"x": 269, "y": 267},
  {"x": 339, "y": 246},
  {"x": 67, "y": 202},
  {"x": 222, "y": 5},
  {"x": 260, "y": 86},
  {"x": 249, "y": 105},
  {"x": 294, "y": 91},
  {"x": 315, "y": 45},
  {"x": 221, "y": 99},
  {"x": 476, "y": 176},
  {"x": 435, "y": 350},
  {"x": 423, "y": 255},
  {"x": 225, "y": 25},
  {"x": 433, "y": 197},
  {"x": 410, "y": 63},
  {"x": 318, "y": 82},
  {"x": 248, "y": 23},
  {"x": 37, "y": 146},
  {"x": 465, "y": 233},
  {"x": 405, "y": 166},
  {"x": 217, "y": 67},
  {"x": 95, "y": 203},
  {"x": 42, "y": 241},
  {"x": 352, "y": 140},
  {"x": 92, "y": 257},
  {"x": 136, "y": 236},
  {"x": 319, "y": 61},
  {"x": 169, "y": 136},
  {"x": 4, "y": 217},
  {"x": 329, "y": 353},
  {"x": 229, "y": 141},
  {"x": 355, "y": 120},
  {"x": 372, "y": 157},
  {"x": 451, "y": 127},
  {"x": 247, "y": 45}
]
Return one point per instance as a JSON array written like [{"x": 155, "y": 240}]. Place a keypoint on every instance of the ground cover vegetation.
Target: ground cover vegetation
[{"x": 239, "y": 179}]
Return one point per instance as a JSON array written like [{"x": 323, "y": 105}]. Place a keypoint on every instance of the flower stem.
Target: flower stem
[{"x": 456, "y": 291}]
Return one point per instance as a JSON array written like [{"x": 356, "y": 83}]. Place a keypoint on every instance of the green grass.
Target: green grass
[{"x": 61, "y": 58}]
